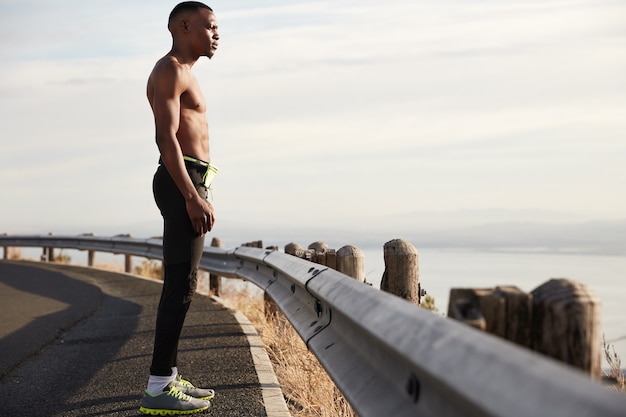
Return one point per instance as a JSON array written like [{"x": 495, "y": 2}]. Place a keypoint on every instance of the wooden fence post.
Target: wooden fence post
[
  {"x": 215, "y": 281},
  {"x": 318, "y": 252},
  {"x": 318, "y": 246},
  {"x": 464, "y": 306},
  {"x": 49, "y": 253},
  {"x": 566, "y": 324},
  {"x": 504, "y": 311},
  {"x": 401, "y": 276},
  {"x": 351, "y": 261},
  {"x": 5, "y": 249},
  {"x": 560, "y": 319},
  {"x": 292, "y": 248},
  {"x": 128, "y": 264},
  {"x": 255, "y": 244}
]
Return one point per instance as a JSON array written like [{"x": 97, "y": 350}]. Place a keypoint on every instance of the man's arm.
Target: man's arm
[{"x": 169, "y": 83}]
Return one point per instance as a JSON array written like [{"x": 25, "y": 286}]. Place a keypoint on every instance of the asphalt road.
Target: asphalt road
[{"x": 77, "y": 341}]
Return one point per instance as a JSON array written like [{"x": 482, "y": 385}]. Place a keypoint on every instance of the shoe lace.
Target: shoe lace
[
  {"x": 174, "y": 392},
  {"x": 184, "y": 382}
]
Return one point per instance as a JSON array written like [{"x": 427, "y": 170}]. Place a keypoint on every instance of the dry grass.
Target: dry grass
[
  {"x": 150, "y": 269},
  {"x": 13, "y": 254},
  {"x": 307, "y": 388},
  {"x": 615, "y": 363}
]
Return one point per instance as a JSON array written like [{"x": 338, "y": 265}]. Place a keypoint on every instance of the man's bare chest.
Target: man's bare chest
[{"x": 192, "y": 99}]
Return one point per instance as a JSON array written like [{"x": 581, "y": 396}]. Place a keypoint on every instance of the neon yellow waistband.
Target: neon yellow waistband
[
  {"x": 196, "y": 161},
  {"x": 211, "y": 170}
]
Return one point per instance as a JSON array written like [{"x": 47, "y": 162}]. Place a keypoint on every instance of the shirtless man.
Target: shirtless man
[{"x": 180, "y": 190}]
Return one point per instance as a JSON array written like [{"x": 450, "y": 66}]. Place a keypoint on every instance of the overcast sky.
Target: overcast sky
[{"x": 369, "y": 115}]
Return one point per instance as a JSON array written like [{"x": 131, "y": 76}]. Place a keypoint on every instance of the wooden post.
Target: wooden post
[
  {"x": 518, "y": 314},
  {"x": 401, "y": 276},
  {"x": 465, "y": 307},
  {"x": 5, "y": 249},
  {"x": 215, "y": 281},
  {"x": 255, "y": 244},
  {"x": 292, "y": 248},
  {"x": 504, "y": 311},
  {"x": 318, "y": 252},
  {"x": 331, "y": 258},
  {"x": 91, "y": 256},
  {"x": 560, "y": 319},
  {"x": 128, "y": 264},
  {"x": 566, "y": 324},
  {"x": 270, "y": 308},
  {"x": 318, "y": 246},
  {"x": 351, "y": 261}
]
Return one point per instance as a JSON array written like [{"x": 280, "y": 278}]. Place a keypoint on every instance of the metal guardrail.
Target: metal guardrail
[{"x": 387, "y": 356}]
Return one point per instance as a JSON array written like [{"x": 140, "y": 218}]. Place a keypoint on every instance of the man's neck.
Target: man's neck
[{"x": 183, "y": 55}]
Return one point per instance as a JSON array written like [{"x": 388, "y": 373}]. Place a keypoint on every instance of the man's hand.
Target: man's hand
[{"x": 201, "y": 214}]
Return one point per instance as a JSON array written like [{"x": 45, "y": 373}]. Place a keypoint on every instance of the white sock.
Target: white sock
[
  {"x": 174, "y": 372},
  {"x": 156, "y": 384}
]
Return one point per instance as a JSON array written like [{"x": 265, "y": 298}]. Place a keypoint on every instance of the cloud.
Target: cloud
[{"x": 332, "y": 112}]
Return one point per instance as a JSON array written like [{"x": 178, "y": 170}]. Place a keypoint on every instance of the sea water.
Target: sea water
[{"x": 443, "y": 269}]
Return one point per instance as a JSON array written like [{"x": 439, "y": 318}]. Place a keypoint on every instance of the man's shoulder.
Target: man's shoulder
[
  {"x": 169, "y": 68},
  {"x": 168, "y": 63}
]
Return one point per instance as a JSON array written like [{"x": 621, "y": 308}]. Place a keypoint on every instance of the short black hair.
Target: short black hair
[{"x": 185, "y": 6}]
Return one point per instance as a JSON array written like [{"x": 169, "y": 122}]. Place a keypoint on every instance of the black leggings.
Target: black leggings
[{"x": 182, "y": 250}]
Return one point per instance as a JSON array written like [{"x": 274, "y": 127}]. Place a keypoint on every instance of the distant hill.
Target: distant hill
[{"x": 590, "y": 237}]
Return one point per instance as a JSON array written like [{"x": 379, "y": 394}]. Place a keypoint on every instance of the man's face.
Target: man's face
[{"x": 203, "y": 31}]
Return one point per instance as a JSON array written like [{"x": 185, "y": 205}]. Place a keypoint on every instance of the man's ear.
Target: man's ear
[{"x": 184, "y": 25}]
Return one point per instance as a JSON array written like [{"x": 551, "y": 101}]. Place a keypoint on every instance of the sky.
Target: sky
[{"x": 370, "y": 117}]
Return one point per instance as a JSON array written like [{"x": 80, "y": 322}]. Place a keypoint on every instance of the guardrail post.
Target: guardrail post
[
  {"x": 5, "y": 255},
  {"x": 331, "y": 259},
  {"x": 91, "y": 256},
  {"x": 319, "y": 246},
  {"x": 560, "y": 319},
  {"x": 292, "y": 248},
  {"x": 351, "y": 261},
  {"x": 215, "y": 281},
  {"x": 566, "y": 324},
  {"x": 401, "y": 276},
  {"x": 505, "y": 311},
  {"x": 318, "y": 252},
  {"x": 255, "y": 244},
  {"x": 47, "y": 254},
  {"x": 128, "y": 264}
]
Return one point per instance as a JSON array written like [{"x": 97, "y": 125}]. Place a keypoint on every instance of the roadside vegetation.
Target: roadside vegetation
[
  {"x": 308, "y": 390},
  {"x": 615, "y": 372}
]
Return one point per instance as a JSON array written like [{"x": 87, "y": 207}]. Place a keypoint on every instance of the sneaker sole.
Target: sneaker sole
[{"x": 157, "y": 412}]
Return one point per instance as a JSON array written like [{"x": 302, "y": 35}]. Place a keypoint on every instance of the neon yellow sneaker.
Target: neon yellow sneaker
[
  {"x": 188, "y": 388},
  {"x": 171, "y": 402}
]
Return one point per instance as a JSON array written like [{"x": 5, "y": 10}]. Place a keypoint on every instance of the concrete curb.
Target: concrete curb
[{"x": 273, "y": 399}]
